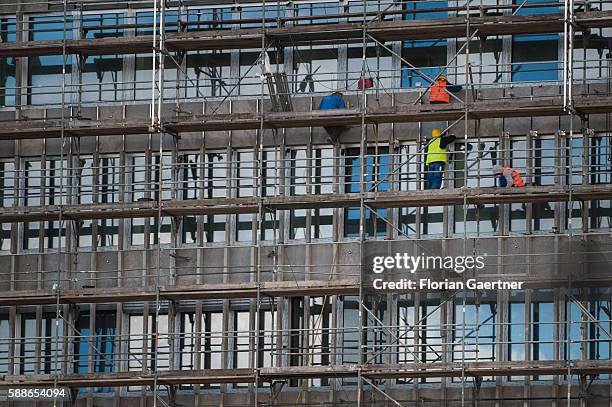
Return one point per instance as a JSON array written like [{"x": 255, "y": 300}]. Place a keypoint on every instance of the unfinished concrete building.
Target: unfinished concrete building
[{"x": 178, "y": 228}]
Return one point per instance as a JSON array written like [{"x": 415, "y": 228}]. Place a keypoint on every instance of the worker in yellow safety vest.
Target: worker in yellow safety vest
[
  {"x": 437, "y": 157},
  {"x": 509, "y": 177}
]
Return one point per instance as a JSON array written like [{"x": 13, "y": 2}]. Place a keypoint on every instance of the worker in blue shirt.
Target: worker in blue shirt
[{"x": 331, "y": 102}]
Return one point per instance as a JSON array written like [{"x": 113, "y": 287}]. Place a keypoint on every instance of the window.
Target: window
[
  {"x": 49, "y": 361},
  {"x": 244, "y": 227},
  {"x": 157, "y": 351},
  {"x": 207, "y": 18},
  {"x": 516, "y": 328},
  {"x": 315, "y": 333},
  {"x": 480, "y": 159},
  {"x": 407, "y": 175},
  {"x": 429, "y": 56},
  {"x": 486, "y": 65},
  {"x": 7, "y": 65},
  {"x": 242, "y": 337},
  {"x": 379, "y": 66},
  {"x": 475, "y": 336},
  {"x": 97, "y": 347},
  {"x": 143, "y": 64},
  {"x": 33, "y": 177},
  {"x": 406, "y": 329},
  {"x": 350, "y": 334},
  {"x": 600, "y": 172},
  {"x": 208, "y": 74},
  {"x": 376, "y": 179},
  {"x": 573, "y": 329},
  {"x": 53, "y": 193},
  {"x": 315, "y": 69},
  {"x": 160, "y": 171},
  {"x": 542, "y": 328},
  {"x": 5, "y": 237},
  {"x": 519, "y": 161},
  {"x": 376, "y": 334},
  {"x": 45, "y": 72},
  {"x": 599, "y": 345},
  {"x": 210, "y": 338},
  {"x": 7, "y": 199},
  {"x": 252, "y": 16},
  {"x": 319, "y": 338},
  {"x": 296, "y": 334},
  {"x": 544, "y": 151},
  {"x": 318, "y": 11},
  {"x": 4, "y": 343},
  {"x": 535, "y": 56},
  {"x": 102, "y": 74},
  {"x": 206, "y": 177},
  {"x": 7, "y": 184},
  {"x": 267, "y": 340},
  {"x": 431, "y": 337},
  {"x": 28, "y": 344},
  {"x": 321, "y": 167}
]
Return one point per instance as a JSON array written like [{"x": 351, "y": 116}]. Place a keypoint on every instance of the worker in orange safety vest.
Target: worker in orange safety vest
[
  {"x": 508, "y": 177},
  {"x": 439, "y": 91}
]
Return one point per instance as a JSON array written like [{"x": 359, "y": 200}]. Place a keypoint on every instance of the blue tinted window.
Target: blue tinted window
[
  {"x": 531, "y": 7},
  {"x": 376, "y": 169},
  {"x": 253, "y": 15},
  {"x": 516, "y": 331},
  {"x": 103, "y": 25},
  {"x": 425, "y": 10},
  {"x": 319, "y": 11},
  {"x": 7, "y": 65},
  {"x": 429, "y": 56},
  {"x": 50, "y": 28},
  {"x": 99, "y": 347},
  {"x": 534, "y": 57},
  {"x": 209, "y": 18},
  {"x": 145, "y": 21},
  {"x": 599, "y": 329}
]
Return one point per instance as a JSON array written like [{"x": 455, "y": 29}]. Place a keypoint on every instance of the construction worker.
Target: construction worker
[
  {"x": 439, "y": 90},
  {"x": 331, "y": 102},
  {"x": 508, "y": 177},
  {"x": 437, "y": 157}
]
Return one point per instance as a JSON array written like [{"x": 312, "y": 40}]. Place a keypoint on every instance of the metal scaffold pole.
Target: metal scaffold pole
[
  {"x": 260, "y": 209},
  {"x": 58, "y": 284},
  {"x": 157, "y": 127},
  {"x": 363, "y": 145}
]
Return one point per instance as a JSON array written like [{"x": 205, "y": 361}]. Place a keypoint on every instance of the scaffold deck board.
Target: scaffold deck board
[
  {"x": 373, "y": 371},
  {"x": 289, "y": 288},
  {"x": 389, "y": 199},
  {"x": 313, "y": 34},
  {"x": 540, "y": 106}
]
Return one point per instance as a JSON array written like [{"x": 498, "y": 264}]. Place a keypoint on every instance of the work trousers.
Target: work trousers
[{"x": 435, "y": 172}]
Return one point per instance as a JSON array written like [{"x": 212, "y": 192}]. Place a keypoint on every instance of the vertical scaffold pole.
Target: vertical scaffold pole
[{"x": 362, "y": 208}]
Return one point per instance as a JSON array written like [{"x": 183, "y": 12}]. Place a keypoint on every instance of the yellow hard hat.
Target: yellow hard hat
[
  {"x": 436, "y": 132},
  {"x": 441, "y": 76}
]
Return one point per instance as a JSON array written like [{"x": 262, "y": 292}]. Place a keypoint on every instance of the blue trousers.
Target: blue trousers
[{"x": 435, "y": 171}]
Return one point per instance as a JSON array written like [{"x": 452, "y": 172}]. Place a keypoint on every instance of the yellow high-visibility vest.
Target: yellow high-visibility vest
[{"x": 435, "y": 153}]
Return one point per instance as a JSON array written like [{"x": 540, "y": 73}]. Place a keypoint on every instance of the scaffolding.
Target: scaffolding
[{"x": 382, "y": 352}]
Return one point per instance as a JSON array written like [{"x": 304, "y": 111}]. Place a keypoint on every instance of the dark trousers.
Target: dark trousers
[{"x": 435, "y": 172}]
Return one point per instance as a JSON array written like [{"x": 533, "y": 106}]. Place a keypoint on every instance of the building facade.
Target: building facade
[{"x": 179, "y": 228}]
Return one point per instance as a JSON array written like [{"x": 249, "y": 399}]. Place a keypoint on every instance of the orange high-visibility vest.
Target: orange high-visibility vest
[
  {"x": 517, "y": 179},
  {"x": 438, "y": 92}
]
